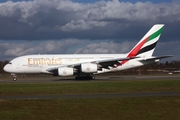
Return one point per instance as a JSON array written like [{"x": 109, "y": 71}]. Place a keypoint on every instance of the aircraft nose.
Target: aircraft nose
[{"x": 6, "y": 68}]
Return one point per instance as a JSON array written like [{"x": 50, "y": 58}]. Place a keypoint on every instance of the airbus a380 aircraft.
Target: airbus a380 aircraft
[{"x": 86, "y": 65}]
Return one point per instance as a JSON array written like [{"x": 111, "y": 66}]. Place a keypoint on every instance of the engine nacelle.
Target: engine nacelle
[
  {"x": 65, "y": 71},
  {"x": 89, "y": 68}
]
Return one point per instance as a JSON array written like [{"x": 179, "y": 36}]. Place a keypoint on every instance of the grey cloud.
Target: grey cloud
[
  {"x": 80, "y": 25},
  {"x": 106, "y": 48},
  {"x": 54, "y": 22},
  {"x": 11, "y": 50},
  {"x": 162, "y": 48},
  {"x": 61, "y": 19}
]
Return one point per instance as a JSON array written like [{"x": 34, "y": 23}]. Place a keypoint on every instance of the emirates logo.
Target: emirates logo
[
  {"x": 64, "y": 72},
  {"x": 88, "y": 68}
]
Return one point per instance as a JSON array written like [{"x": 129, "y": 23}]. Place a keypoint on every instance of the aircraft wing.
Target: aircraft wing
[
  {"x": 111, "y": 62},
  {"x": 106, "y": 63},
  {"x": 100, "y": 63}
]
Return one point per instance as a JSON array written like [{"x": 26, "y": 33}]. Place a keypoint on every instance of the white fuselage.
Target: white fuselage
[{"x": 40, "y": 63}]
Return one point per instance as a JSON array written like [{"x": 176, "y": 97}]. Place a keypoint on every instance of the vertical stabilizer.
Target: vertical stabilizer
[{"x": 145, "y": 47}]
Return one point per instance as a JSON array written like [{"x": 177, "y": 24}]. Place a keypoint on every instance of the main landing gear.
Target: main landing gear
[
  {"x": 14, "y": 77},
  {"x": 84, "y": 77}
]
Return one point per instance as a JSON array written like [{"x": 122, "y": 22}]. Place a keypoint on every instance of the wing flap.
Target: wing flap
[{"x": 112, "y": 62}]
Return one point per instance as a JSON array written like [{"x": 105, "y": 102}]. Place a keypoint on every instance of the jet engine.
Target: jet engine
[
  {"x": 89, "y": 68},
  {"x": 65, "y": 71}
]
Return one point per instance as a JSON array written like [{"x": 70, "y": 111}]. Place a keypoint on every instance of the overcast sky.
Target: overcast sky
[{"x": 85, "y": 26}]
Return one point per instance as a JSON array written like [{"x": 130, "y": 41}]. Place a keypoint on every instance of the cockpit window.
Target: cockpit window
[{"x": 10, "y": 63}]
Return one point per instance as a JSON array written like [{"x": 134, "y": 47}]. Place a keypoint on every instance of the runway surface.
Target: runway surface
[
  {"x": 73, "y": 96},
  {"x": 98, "y": 78}
]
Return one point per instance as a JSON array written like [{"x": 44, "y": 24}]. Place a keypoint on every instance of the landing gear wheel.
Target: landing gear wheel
[
  {"x": 14, "y": 78},
  {"x": 77, "y": 78}
]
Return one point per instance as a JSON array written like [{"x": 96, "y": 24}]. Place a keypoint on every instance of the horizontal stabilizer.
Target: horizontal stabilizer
[{"x": 158, "y": 58}]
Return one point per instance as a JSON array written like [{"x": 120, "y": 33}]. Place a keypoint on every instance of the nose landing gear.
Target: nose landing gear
[{"x": 14, "y": 76}]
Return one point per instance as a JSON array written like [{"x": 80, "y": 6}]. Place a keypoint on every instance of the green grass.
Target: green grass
[
  {"x": 143, "y": 108},
  {"x": 89, "y": 87},
  {"x": 139, "y": 108}
]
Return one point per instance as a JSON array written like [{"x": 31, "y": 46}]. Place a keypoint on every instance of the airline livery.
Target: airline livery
[{"x": 85, "y": 66}]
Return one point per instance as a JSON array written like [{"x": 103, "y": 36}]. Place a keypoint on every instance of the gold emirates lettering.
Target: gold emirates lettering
[{"x": 44, "y": 61}]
